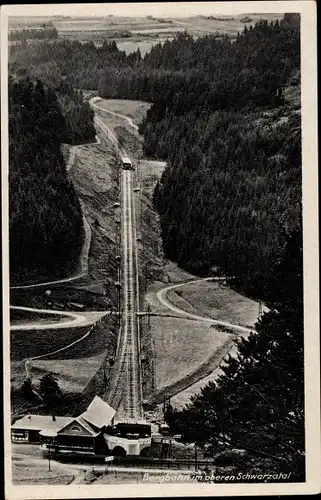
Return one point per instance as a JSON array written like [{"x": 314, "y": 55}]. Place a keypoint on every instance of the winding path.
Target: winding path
[
  {"x": 69, "y": 319},
  {"x": 162, "y": 298},
  {"x": 129, "y": 120}
]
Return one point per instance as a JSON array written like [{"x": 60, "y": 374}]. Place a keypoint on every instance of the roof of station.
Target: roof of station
[
  {"x": 99, "y": 413},
  {"x": 39, "y": 422}
]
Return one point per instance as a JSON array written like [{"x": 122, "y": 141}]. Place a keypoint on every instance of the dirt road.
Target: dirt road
[
  {"x": 64, "y": 319},
  {"x": 161, "y": 296}
]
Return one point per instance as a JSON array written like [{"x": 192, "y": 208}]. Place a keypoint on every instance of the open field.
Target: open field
[
  {"x": 144, "y": 45},
  {"x": 131, "y": 33},
  {"x": 220, "y": 25},
  {"x": 73, "y": 374},
  {"x": 175, "y": 342},
  {"x": 216, "y": 301},
  {"x": 135, "y": 109},
  {"x": 39, "y": 342},
  {"x": 180, "y": 399},
  {"x": 83, "y": 350},
  {"x": 187, "y": 351}
]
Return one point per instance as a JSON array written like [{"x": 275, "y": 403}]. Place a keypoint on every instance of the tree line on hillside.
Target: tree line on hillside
[
  {"x": 232, "y": 189},
  {"x": 207, "y": 72},
  {"x": 30, "y": 34},
  {"x": 78, "y": 115},
  {"x": 239, "y": 180},
  {"x": 45, "y": 226},
  {"x": 230, "y": 194},
  {"x": 251, "y": 419}
]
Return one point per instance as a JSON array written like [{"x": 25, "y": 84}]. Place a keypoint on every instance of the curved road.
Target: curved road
[
  {"x": 124, "y": 117},
  {"x": 71, "y": 319},
  {"x": 161, "y": 296}
]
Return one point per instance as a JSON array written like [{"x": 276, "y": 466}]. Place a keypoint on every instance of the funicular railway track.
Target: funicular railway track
[{"x": 125, "y": 393}]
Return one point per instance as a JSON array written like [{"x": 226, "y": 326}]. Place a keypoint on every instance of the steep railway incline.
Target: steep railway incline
[{"x": 125, "y": 391}]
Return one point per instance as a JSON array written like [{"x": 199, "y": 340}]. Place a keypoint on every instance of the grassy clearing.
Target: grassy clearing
[
  {"x": 27, "y": 344},
  {"x": 230, "y": 25},
  {"x": 180, "y": 399},
  {"x": 73, "y": 374},
  {"x": 144, "y": 46},
  {"x": 20, "y": 316},
  {"x": 216, "y": 301},
  {"x": 134, "y": 109},
  {"x": 75, "y": 366},
  {"x": 181, "y": 346}
]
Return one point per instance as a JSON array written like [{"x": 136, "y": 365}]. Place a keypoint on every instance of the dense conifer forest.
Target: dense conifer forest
[{"x": 46, "y": 230}]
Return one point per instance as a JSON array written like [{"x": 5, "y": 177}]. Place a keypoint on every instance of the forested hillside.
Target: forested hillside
[
  {"x": 78, "y": 115},
  {"x": 233, "y": 186},
  {"x": 232, "y": 189},
  {"x": 234, "y": 176},
  {"x": 46, "y": 230}
]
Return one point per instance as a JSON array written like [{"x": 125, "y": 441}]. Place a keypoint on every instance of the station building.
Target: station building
[
  {"x": 28, "y": 428},
  {"x": 94, "y": 432}
]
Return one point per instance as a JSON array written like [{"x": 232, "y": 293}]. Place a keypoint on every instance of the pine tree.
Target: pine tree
[{"x": 50, "y": 390}]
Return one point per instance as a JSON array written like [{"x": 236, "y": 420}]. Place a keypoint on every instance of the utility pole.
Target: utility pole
[
  {"x": 145, "y": 277},
  {"x": 148, "y": 314},
  {"x": 164, "y": 407},
  {"x": 144, "y": 267},
  {"x": 260, "y": 308},
  {"x": 49, "y": 454},
  {"x": 119, "y": 305}
]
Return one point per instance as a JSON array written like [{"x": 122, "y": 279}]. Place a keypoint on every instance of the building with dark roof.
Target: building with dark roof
[
  {"x": 27, "y": 429},
  {"x": 94, "y": 432}
]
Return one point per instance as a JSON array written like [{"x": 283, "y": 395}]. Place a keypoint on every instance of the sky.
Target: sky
[{"x": 162, "y": 9}]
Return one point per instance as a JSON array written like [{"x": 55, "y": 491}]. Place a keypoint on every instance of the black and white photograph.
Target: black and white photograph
[{"x": 160, "y": 249}]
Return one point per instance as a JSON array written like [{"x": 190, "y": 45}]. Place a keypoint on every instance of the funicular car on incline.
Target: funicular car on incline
[{"x": 127, "y": 164}]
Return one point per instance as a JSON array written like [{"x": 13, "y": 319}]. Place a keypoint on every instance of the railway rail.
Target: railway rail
[{"x": 125, "y": 394}]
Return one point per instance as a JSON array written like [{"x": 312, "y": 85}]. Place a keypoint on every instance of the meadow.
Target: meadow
[{"x": 131, "y": 33}]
